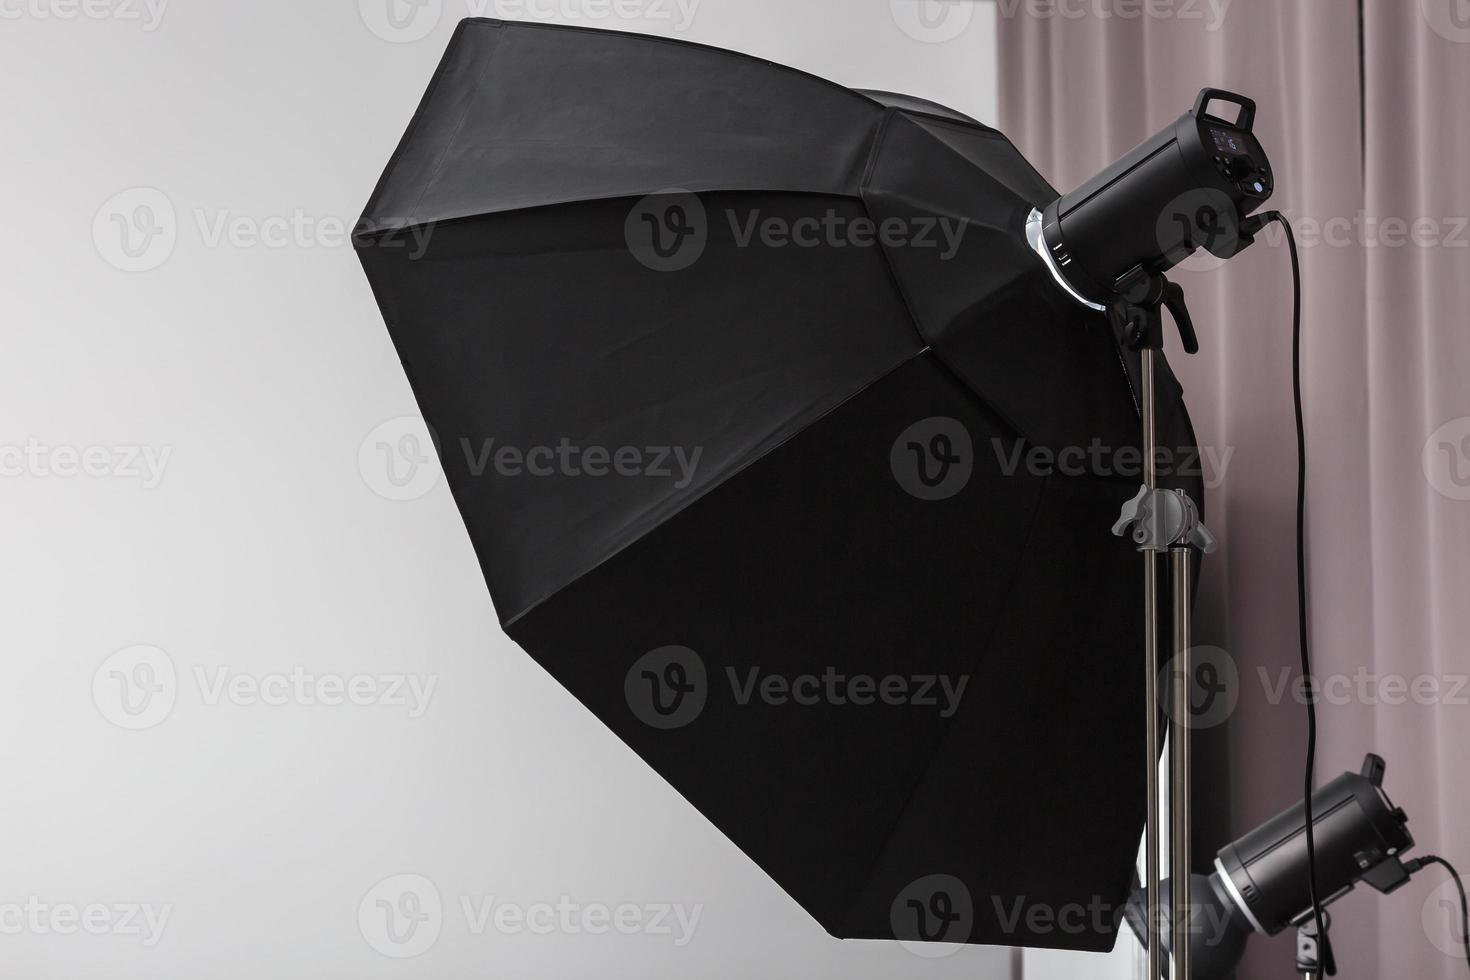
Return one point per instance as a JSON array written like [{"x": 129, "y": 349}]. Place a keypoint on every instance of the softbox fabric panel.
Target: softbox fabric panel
[{"x": 859, "y": 618}]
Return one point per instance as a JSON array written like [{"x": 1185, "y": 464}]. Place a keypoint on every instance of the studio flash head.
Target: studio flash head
[
  {"x": 1188, "y": 186},
  {"x": 1260, "y": 881},
  {"x": 1360, "y": 837}
]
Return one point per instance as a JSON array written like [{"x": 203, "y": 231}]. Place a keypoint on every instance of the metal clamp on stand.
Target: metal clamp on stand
[
  {"x": 1313, "y": 957},
  {"x": 1163, "y": 521}
]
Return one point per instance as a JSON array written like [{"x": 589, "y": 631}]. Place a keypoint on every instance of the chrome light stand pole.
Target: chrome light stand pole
[{"x": 1163, "y": 522}]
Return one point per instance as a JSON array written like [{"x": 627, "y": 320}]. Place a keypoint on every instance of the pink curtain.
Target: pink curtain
[{"x": 1366, "y": 124}]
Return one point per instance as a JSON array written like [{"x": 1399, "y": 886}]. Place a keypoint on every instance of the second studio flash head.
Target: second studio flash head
[{"x": 1260, "y": 881}]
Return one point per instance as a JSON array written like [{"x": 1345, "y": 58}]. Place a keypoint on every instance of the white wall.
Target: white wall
[{"x": 254, "y": 544}]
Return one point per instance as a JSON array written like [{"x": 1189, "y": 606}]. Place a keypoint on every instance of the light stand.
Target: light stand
[
  {"x": 1108, "y": 244},
  {"x": 1163, "y": 522}
]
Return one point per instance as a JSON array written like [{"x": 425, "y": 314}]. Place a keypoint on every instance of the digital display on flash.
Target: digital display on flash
[{"x": 1228, "y": 140}]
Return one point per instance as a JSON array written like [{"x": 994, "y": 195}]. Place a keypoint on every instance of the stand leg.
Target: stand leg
[
  {"x": 1152, "y": 858},
  {"x": 1152, "y": 840},
  {"x": 1180, "y": 737}
]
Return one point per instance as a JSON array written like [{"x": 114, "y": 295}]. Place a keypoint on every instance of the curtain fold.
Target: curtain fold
[
  {"x": 1417, "y": 292},
  {"x": 1366, "y": 128}
]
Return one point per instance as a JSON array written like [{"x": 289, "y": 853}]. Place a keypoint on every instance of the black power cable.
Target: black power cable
[
  {"x": 1253, "y": 226},
  {"x": 1302, "y": 631},
  {"x": 1303, "y": 642},
  {"x": 1414, "y": 865}
]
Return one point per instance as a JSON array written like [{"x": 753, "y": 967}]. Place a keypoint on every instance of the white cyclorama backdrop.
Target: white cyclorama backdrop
[{"x": 259, "y": 718}]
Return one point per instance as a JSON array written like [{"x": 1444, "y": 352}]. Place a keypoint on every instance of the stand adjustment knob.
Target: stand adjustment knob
[{"x": 1157, "y": 520}]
